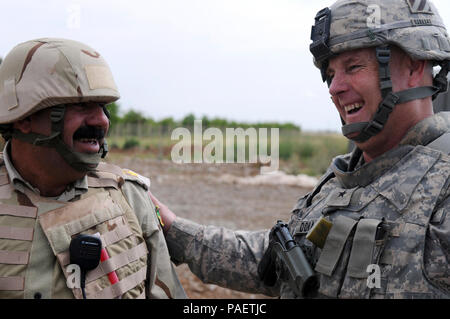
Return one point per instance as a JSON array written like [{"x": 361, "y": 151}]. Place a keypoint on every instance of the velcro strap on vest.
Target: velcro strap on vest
[
  {"x": 115, "y": 235},
  {"x": 117, "y": 261},
  {"x": 18, "y": 211},
  {"x": 119, "y": 288},
  {"x": 14, "y": 257},
  {"x": 341, "y": 229},
  {"x": 362, "y": 248},
  {"x": 17, "y": 233},
  {"x": 12, "y": 283}
]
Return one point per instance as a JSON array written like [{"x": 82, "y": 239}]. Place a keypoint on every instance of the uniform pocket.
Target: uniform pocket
[{"x": 100, "y": 214}]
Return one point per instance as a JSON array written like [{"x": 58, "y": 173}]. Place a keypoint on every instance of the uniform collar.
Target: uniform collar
[
  {"x": 77, "y": 188},
  {"x": 427, "y": 130},
  {"x": 363, "y": 174}
]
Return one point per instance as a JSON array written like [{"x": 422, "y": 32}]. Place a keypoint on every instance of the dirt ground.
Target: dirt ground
[{"x": 199, "y": 192}]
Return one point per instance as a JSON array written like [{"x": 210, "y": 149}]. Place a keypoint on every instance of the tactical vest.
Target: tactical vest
[
  {"x": 33, "y": 230},
  {"x": 383, "y": 223}
]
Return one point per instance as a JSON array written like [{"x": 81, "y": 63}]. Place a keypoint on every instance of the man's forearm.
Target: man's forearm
[{"x": 220, "y": 256}]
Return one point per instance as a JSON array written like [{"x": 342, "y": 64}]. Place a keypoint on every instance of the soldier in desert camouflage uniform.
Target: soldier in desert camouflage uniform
[
  {"x": 387, "y": 202},
  {"x": 53, "y": 185}
]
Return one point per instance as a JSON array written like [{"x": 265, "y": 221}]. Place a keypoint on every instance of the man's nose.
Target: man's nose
[
  {"x": 338, "y": 84},
  {"x": 97, "y": 117}
]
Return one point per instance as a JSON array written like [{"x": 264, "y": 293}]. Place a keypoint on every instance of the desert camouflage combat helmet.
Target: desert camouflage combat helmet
[
  {"x": 50, "y": 73},
  {"x": 412, "y": 25}
]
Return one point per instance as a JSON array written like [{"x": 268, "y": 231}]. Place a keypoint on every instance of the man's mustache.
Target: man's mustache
[{"x": 91, "y": 132}]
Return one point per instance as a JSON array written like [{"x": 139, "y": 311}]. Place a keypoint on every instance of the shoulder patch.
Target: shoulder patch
[
  {"x": 133, "y": 176},
  {"x": 161, "y": 223}
]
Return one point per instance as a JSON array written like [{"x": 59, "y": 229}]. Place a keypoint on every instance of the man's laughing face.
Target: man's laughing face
[{"x": 85, "y": 126}]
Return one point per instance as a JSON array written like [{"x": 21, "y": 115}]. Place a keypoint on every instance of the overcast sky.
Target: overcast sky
[{"x": 245, "y": 60}]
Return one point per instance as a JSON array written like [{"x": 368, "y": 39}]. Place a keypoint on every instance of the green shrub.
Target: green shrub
[
  {"x": 306, "y": 150},
  {"x": 286, "y": 149},
  {"x": 130, "y": 143}
]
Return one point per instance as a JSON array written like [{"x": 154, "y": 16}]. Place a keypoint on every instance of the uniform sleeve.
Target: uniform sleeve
[
  {"x": 437, "y": 248},
  {"x": 163, "y": 280},
  {"x": 220, "y": 256}
]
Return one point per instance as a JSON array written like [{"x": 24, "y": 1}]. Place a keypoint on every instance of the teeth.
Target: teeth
[
  {"x": 88, "y": 140},
  {"x": 354, "y": 106}
]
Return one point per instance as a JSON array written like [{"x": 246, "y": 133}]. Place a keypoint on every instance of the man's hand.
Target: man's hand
[{"x": 167, "y": 215}]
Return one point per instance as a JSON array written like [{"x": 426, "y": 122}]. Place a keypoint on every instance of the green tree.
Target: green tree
[
  {"x": 166, "y": 124},
  {"x": 205, "y": 121},
  {"x": 188, "y": 120},
  {"x": 113, "y": 109},
  {"x": 219, "y": 122},
  {"x": 133, "y": 116}
]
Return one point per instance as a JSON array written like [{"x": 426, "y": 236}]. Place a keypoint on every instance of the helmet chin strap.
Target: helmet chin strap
[
  {"x": 390, "y": 99},
  {"x": 79, "y": 161}
]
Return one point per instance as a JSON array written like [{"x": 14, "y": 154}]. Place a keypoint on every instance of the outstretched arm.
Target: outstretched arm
[{"x": 217, "y": 255}]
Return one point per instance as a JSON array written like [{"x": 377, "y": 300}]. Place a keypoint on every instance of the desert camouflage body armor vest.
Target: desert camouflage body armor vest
[
  {"x": 380, "y": 215},
  {"x": 34, "y": 229}
]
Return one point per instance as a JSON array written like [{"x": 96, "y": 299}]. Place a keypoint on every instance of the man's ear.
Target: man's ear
[
  {"x": 417, "y": 71},
  {"x": 23, "y": 125}
]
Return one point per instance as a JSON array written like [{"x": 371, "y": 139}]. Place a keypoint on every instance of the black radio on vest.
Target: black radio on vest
[{"x": 85, "y": 252}]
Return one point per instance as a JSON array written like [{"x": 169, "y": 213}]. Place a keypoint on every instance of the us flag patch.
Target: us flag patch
[{"x": 419, "y": 6}]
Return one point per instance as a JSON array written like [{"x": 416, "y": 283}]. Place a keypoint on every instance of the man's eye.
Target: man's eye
[{"x": 353, "y": 67}]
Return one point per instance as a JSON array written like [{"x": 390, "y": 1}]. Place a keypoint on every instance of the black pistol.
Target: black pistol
[{"x": 302, "y": 279}]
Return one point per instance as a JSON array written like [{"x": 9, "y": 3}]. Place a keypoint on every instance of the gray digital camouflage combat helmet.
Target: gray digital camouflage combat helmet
[
  {"x": 414, "y": 26},
  {"x": 50, "y": 73}
]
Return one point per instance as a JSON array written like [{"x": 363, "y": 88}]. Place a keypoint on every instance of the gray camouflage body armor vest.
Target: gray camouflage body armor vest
[
  {"x": 381, "y": 213},
  {"x": 34, "y": 229}
]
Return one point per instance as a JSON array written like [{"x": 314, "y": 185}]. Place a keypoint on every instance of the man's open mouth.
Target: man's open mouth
[
  {"x": 88, "y": 139},
  {"x": 353, "y": 108}
]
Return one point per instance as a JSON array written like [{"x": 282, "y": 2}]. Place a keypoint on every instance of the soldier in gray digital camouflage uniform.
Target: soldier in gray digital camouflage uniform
[{"x": 385, "y": 205}]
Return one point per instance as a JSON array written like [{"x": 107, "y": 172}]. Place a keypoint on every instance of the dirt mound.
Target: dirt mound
[{"x": 275, "y": 178}]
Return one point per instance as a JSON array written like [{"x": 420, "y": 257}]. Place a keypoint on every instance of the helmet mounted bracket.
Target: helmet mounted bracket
[{"x": 320, "y": 35}]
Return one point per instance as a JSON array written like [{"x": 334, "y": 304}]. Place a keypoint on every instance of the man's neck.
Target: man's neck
[
  {"x": 50, "y": 179},
  {"x": 391, "y": 136}
]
